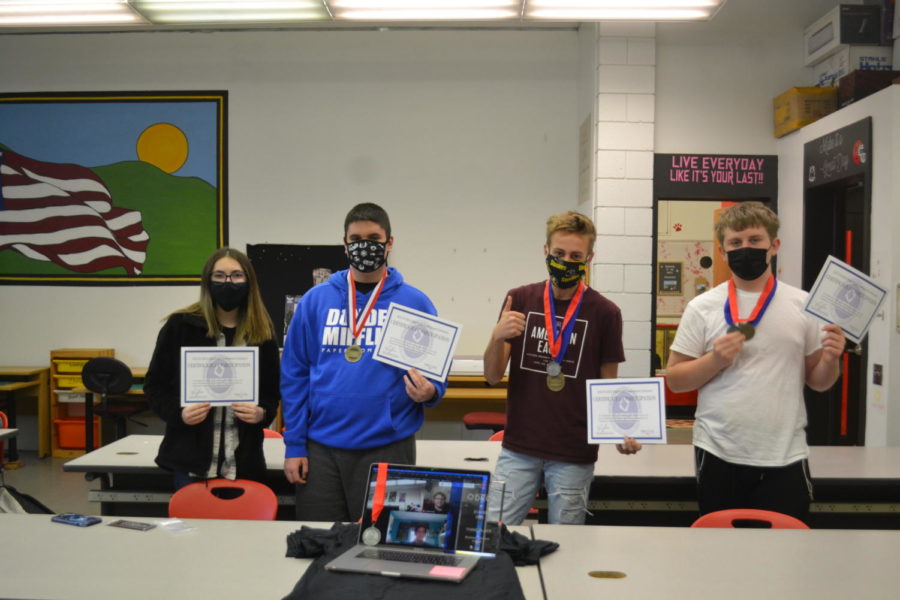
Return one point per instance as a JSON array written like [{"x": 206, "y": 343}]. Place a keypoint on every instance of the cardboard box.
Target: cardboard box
[
  {"x": 852, "y": 58},
  {"x": 800, "y": 106},
  {"x": 859, "y": 84},
  {"x": 844, "y": 24}
]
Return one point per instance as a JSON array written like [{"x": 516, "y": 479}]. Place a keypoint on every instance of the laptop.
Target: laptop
[{"x": 431, "y": 525}]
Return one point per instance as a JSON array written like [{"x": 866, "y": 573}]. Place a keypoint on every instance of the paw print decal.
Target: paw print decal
[{"x": 677, "y": 227}]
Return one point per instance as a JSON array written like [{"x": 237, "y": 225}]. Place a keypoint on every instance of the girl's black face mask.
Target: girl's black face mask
[
  {"x": 228, "y": 295},
  {"x": 748, "y": 263}
]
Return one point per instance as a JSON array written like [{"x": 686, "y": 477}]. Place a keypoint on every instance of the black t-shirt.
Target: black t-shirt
[{"x": 547, "y": 424}]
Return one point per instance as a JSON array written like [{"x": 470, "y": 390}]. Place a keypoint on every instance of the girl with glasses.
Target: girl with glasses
[{"x": 201, "y": 441}]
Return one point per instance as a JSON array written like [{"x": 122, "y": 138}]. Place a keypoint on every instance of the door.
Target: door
[{"x": 836, "y": 223}]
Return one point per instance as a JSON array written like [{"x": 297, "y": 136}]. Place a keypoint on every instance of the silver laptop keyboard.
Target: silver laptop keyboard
[{"x": 444, "y": 560}]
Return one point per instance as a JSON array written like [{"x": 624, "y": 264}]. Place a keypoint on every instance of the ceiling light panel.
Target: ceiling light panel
[
  {"x": 225, "y": 11},
  {"x": 67, "y": 13},
  {"x": 425, "y": 10},
  {"x": 620, "y": 10}
]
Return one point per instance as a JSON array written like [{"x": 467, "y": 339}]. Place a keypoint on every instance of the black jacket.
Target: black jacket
[{"x": 188, "y": 448}]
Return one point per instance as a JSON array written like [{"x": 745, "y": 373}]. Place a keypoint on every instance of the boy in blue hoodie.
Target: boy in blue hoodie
[{"x": 344, "y": 410}]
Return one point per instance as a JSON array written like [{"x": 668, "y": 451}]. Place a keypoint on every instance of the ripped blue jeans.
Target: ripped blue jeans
[{"x": 520, "y": 477}]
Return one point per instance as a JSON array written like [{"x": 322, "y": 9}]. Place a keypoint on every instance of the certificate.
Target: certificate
[
  {"x": 846, "y": 297},
  {"x": 219, "y": 375},
  {"x": 412, "y": 339},
  {"x": 632, "y": 407}
]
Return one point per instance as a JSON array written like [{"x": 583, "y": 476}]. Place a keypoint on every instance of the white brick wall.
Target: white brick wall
[
  {"x": 638, "y": 165},
  {"x": 609, "y": 220},
  {"x": 627, "y": 79},
  {"x": 639, "y": 221},
  {"x": 608, "y": 279},
  {"x": 623, "y": 191},
  {"x": 638, "y": 278}
]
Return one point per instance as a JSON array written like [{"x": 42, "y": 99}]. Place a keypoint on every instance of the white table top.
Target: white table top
[
  {"x": 42, "y": 559},
  {"x": 219, "y": 559},
  {"x": 738, "y": 564},
  {"x": 8, "y": 433},
  {"x": 136, "y": 453}
]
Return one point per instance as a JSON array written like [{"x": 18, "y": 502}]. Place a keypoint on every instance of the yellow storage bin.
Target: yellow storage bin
[
  {"x": 68, "y": 381},
  {"x": 69, "y": 366}
]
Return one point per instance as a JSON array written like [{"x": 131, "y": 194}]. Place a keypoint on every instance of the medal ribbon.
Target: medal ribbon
[
  {"x": 351, "y": 303},
  {"x": 380, "y": 487},
  {"x": 559, "y": 340},
  {"x": 732, "y": 314}
]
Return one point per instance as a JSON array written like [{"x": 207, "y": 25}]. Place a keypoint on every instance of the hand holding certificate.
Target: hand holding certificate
[
  {"x": 219, "y": 376},
  {"x": 626, "y": 407},
  {"x": 846, "y": 297},
  {"x": 412, "y": 339}
]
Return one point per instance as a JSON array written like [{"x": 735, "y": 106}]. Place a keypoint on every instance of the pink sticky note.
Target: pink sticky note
[{"x": 440, "y": 571}]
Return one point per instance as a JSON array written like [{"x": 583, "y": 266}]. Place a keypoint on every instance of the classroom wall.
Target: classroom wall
[
  {"x": 468, "y": 139},
  {"x": 716, "y": 80}
]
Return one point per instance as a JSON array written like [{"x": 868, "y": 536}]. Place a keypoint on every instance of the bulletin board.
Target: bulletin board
[
  {"x": 288, "y": 270},
  {"x": 693, "y": 278}
]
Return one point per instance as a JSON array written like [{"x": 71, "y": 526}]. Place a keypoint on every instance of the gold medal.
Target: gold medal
[
  {"x": 556, "y": 382},
  {"x": 353, "y": 353}
]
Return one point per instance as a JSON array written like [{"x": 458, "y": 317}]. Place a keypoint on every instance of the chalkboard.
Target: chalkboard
[
  {"x": 287, "y": 270},
  {"x": 669, "y": 278}
]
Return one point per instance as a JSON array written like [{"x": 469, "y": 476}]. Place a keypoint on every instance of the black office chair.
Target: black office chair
[{"x": 109, "y": 378}]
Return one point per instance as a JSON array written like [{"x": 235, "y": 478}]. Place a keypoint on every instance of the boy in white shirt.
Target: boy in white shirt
[{"x": 749, "y": 348}]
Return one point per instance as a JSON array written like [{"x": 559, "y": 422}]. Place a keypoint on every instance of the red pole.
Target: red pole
[{"x": 845, "y": 379}]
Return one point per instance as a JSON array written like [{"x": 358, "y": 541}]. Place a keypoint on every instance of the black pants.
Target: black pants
[
  {"x": 722, "y": 485},
  {"x": 336, "y": 485}
]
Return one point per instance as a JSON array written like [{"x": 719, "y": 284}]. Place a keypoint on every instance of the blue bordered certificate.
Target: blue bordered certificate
[
  {"x": 846, "y": 297},
  {"x": 412, "y": 339},
  {"x": 626, "y": 407},
  {"x": 219, "y": 375}
]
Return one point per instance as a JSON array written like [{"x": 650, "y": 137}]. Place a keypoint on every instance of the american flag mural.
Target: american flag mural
[{"x": 64, "y": 213}]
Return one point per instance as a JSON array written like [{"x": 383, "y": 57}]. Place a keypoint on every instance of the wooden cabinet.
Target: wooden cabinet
[
  {"x": 67, "y": 405},
  {"x": 468, "y": 393}
]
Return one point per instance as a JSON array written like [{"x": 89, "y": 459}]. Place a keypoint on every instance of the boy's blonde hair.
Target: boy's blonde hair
[
  {"x": 747, "y": 214},
  {"x": 572, "y": 222}
]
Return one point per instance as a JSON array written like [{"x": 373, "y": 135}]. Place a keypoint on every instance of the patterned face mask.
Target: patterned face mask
[
  {"x": 366, "y": 255},
  {"x": 563, "y": 273}
]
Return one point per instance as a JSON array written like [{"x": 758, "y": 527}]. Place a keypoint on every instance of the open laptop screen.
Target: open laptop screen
[{"x": 430, "y": 507}]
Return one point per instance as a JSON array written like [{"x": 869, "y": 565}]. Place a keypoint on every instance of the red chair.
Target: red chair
[
  {"x": 727, "y": 518},
  {"x": 485, "y": 420},
  {"x": 255, "y": 502},
  {"x": 271, "y": 433}
]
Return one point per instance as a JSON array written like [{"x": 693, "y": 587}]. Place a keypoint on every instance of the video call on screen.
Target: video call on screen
[{"x": 431, "y": 509}]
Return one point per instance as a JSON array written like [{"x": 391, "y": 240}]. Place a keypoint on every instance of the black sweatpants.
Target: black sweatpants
[{"x": 722, "y": 485}]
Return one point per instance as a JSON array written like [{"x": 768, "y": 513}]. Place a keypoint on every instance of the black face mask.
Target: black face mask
[
  {"x": 228, "y": 295},
  {"x": 366, "y": 255},
  {"x": 748, "y": 263},
  {"x": 563, "y": 273}
]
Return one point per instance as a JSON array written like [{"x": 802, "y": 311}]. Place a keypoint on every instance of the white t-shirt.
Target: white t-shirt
[{"x": 752, "y": 412}]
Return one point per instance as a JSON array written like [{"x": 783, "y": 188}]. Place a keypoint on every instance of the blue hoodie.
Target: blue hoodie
[{"x": 335, "y": 402}]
